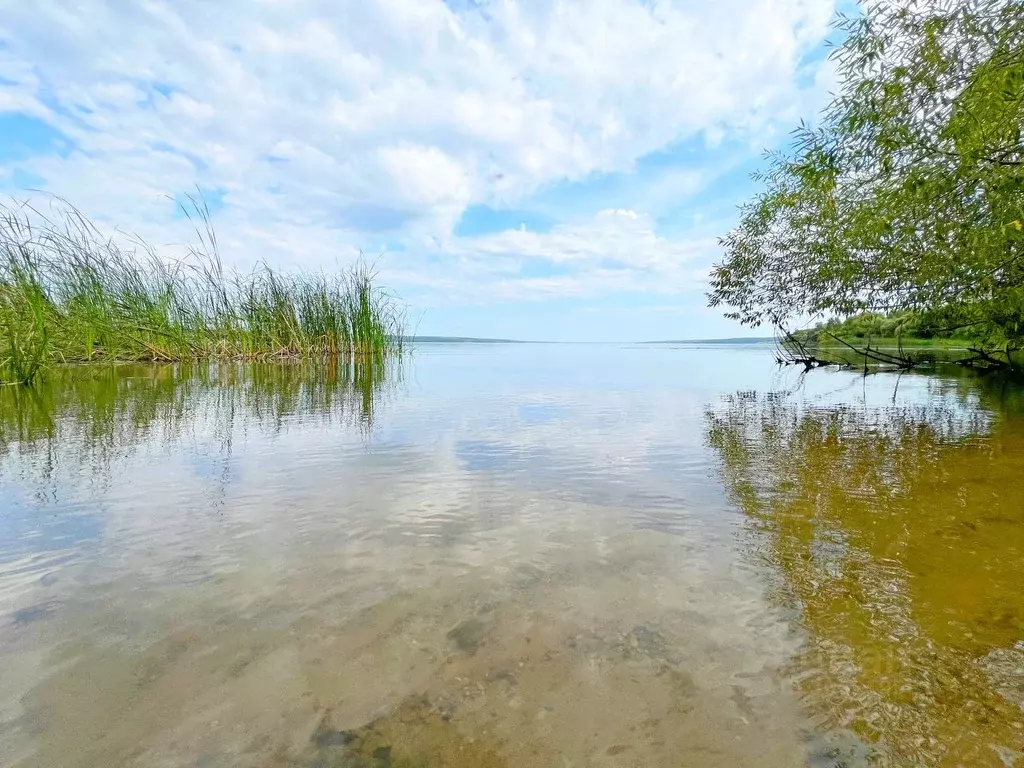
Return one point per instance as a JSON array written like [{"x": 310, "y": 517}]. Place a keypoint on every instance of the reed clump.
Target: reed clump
[{"x": 68, "y": 294}]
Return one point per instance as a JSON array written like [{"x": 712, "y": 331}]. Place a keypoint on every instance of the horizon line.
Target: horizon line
[{"x": 436, "y": 338}]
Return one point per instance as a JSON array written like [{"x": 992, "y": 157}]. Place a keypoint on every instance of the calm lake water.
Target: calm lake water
[{"x": 512, "y": 555}]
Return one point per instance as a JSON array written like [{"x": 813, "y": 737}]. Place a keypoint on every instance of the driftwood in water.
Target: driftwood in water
[
  {"x": 790, "y": 350},
  {"x": 986, "y": 361}
]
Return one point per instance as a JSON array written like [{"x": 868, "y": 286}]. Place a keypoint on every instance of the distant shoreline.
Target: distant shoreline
[
  {"x": 472, "y": 340},
  {"x": 465, "y": 340},
  {"x": 736, "y": 340}
]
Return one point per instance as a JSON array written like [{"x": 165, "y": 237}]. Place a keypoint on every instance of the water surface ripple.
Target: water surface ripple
[{"x": 511, "y": 555}]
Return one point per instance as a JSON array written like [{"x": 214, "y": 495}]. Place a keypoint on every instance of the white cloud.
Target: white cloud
[
  {"x": 616, "y": 251},
  {"x": 322, "y": 122},
  {"x": 427, "y": 176}
]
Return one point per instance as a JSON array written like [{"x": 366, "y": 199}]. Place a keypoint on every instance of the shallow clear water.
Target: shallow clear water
[{"x": 512, "y": 555}]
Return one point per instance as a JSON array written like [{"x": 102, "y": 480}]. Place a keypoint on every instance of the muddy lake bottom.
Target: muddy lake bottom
[{"x": 512, "y": 555}]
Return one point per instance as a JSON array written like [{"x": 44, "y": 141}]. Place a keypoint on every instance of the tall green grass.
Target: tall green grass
[{"x": 69, "y": 294}]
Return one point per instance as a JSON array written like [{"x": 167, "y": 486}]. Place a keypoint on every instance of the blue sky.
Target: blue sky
[{"x": 542, "y": 169}]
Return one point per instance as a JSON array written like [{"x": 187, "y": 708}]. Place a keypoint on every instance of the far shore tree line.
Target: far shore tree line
[
  {"x": 900, "y": 211},
  {"x": 908, "y": 326}
]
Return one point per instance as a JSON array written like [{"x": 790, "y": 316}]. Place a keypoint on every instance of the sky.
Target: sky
[{"x": 554, "y": 170}]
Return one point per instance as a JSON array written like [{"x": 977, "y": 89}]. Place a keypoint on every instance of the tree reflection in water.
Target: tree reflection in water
[{"x": 897, "y": 534}]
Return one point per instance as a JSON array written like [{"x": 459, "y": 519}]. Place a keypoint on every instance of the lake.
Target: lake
[{"x": 512, "y": 555}]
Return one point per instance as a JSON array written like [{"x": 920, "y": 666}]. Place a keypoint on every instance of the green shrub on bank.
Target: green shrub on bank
[{"x": 967, "y": 325}]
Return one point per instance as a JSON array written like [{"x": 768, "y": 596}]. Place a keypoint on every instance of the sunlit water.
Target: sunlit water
[{"x": 512, "y": 556}]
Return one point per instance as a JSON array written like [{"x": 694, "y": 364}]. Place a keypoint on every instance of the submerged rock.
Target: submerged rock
[
  {"x": 415, "y": 735},
  {"x": 644, "y": 642},
  {"x": 32, "y": 613},
  {"x": 468, "y": 635},
  {"x": 1005, "y": 669},
  {"x": 333, "y": 738},
  {"x": 840, "y": 748}
]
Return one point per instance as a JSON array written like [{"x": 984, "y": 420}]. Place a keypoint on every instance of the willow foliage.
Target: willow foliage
[{"x": 909, "y": 191}]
